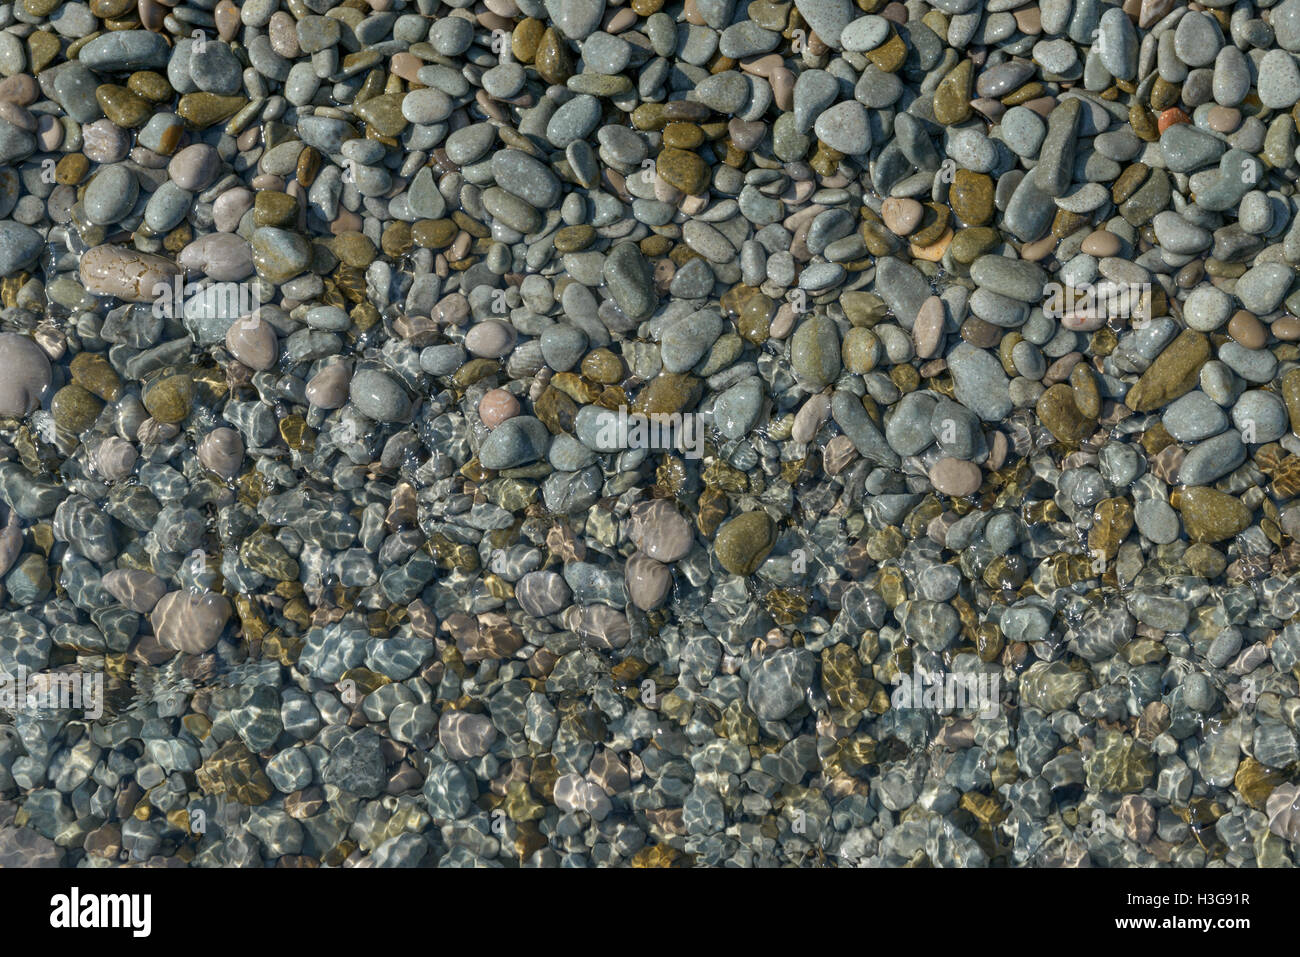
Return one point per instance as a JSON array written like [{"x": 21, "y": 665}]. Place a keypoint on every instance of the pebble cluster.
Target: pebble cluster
[{"x": 316, "y": 317}]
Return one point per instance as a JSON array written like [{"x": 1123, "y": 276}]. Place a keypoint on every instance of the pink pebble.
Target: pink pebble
[{"x": 496, "y": 406}]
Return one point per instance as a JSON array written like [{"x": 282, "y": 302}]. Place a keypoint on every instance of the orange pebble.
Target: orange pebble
[
  {"x": 934, "y": 252},
  {"x": 1171, "y": 117}
]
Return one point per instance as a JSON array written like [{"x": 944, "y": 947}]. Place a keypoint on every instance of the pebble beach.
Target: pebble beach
[{"x": 676, "y": 433}]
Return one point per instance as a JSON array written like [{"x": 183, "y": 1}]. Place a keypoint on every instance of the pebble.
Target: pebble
[
  {"x": 189, "y": 623},
  {"x": 378, "y": 397}
]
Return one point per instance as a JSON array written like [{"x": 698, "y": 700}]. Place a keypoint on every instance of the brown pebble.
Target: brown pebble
[
  {"x": 1029, "y": 20},
  {"x": 1246, "y": 329},
  {"x": 1287, "y": 328},
  {"x": 979, "y": 333}
]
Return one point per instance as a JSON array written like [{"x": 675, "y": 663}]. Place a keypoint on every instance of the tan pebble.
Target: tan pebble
[
  {"x": 153, "y": 432},
  {"x": 406, "y": 65},
  {"x": 102, "y": 142},
  {"x": 648, "y": 581},
  {"x": 491, "y": 21},
  {"x": 115, "y": 459},
  {"x": 283, "y": 34},
  {"x": 762, "y": 65},
  {"x": 895, "y": 12},
  {"x": 999, "y": 446},
  {"x": 600, "y": 626},
  {"x": 620, "y": 19},
  {"x": 810, "y": 417},
  {"x": 956, "y": 477},
  {"x": 424, "y": 624},
  {"x": 126, "y": 273},
  {"x": 328, "y": 388},
  {"x": 1043, "y": 105},
  {"x": 15, "y": 115},
  {"x": 935, "y": 251},
  {"x": 1223, "y": 119},
  {"x": 782, "y": 322},
  {"x": 1029, "y": 21},
  {"x": 1039, "y": 249},
  {"x": 490, "y": 339},
  {"x": 196, "y": 167},
  {"x": 226, "y": 17},
  {"x": 1168, "y": 462},
  {"x": 21, "y": 88},
  {"x": 661, "y": 531},
  {"x": 49, "y": 133},
  {"x": 222, "y": 451},
  {"x": 496, "y": 406},
  {"x": 1152, "y": 11},
  {"x": 11, "y": 542},
  {"x": 992, "y": 109},
  {"x": 1060, "y": 370},
  {"x": 225, "y": 257},
  {"x": 346, "y": 222},
  {"x": 937, "y": 529},
  {"x": 253, "y": 342},
  {"x": 664, "y": 270},
  {"x": 839, "y": 452},
  {"x": 190, "y": 623},
  {"x": 927, "y": 331},
  {"x": 229, "y": 208},
  {"x": 1101, "y": 244},
  {"x": 782, "y": 81},
  {"x": 1286, "y": 328},
  {"x": 665, "y": 192},
  {"x": 803, "y": 218},
  {"x": 800, "y": 191},
  {"x": 901, "y": 215},
  {"x": 451, "y": 310},
  {"x": 137, "y": 589},
  {"x": 152, "y": 14}
]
